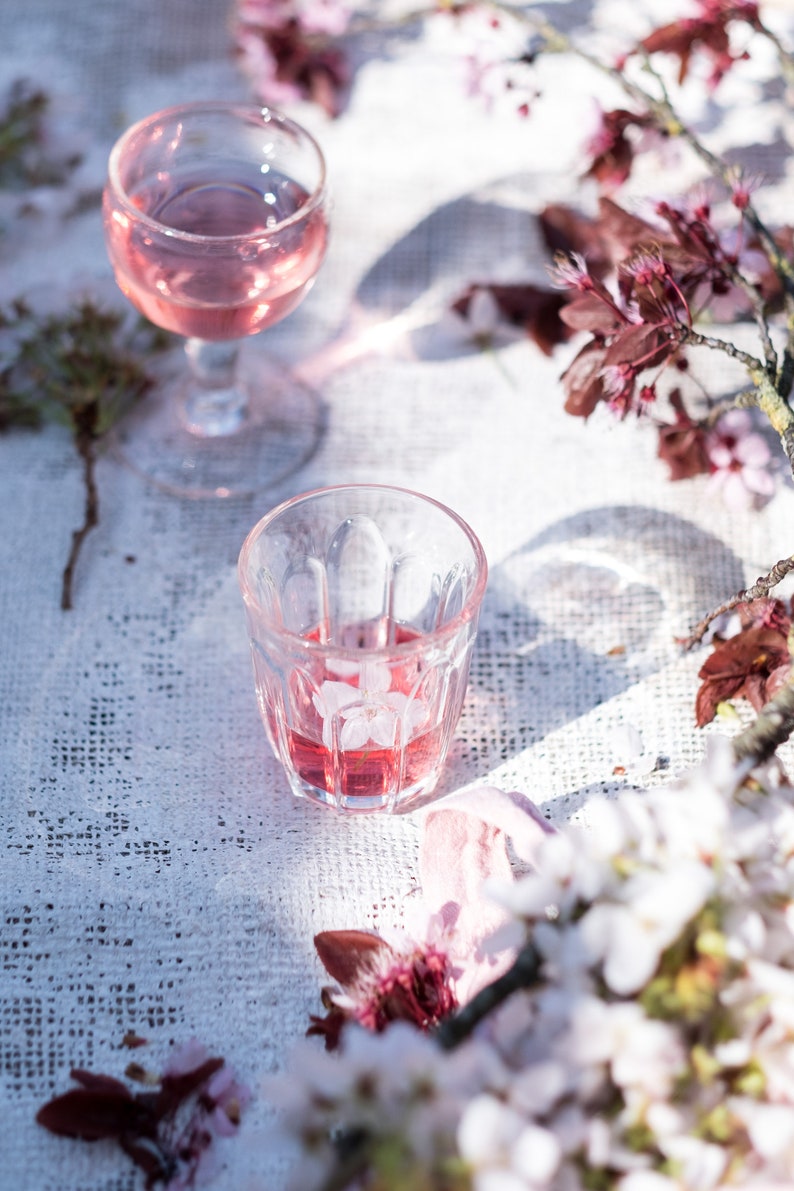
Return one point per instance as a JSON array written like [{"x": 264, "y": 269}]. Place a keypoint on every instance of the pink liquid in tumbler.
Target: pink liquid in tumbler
[
  {"x": 365, "y": 772},
  {"x": 232, "y": 271},
  {"x": 373, "y": 768}
]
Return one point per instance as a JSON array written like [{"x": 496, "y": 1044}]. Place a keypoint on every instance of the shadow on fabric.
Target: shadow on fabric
[{"x": 587, "y": 608}]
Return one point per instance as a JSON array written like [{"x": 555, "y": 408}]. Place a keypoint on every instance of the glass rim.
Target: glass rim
[
  {"x": 347, "y": 652},
  {"x": 267, "y": 115}
]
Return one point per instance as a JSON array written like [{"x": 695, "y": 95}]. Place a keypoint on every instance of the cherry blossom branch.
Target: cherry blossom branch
[
  {"x": 693, "y": 338},
  {"x": 745, "y": 399},
  {"x": 524, "y": 972},
  {"x": 662, "y": 108},
  {"x": 664, "y": 111},
  {"x": 766, "y": 395}
]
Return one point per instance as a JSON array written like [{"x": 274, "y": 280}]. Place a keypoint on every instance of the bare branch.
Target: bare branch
[
  {"x": 759, "y": 590},
  {"x": 696, "y": 339},
  {"x": 524, "y": 973},
  {"x": 86, "y": 448}
]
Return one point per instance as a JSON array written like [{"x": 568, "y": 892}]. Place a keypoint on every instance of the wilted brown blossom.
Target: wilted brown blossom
[
  {"x": 707, "y": 33},
  {"x": 381, "y": 984},
  {"x": 167, "y": 1126},
  {"x": 754, "y": 664}
]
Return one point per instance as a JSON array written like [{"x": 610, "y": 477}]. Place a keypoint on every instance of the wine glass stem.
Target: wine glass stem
[{"x": 216, "y": 401}]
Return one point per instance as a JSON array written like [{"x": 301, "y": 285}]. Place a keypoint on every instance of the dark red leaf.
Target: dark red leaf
[
  {"x": 100, "y": 1083},
  {"x": 754, "y": 664},
  {"x": 175, "y": 1089},
  {"x": 710, "y": 695},
  {"x": 566, "y": 231},
  {"x": 345, "y": 953},
  {"x": 750, "y": 650},
  {"x": 612, "y": 166},
  {"x": 536, "y": 310},
  {"x": 623, "y": 233},
  {"x": 641, "y": 347},
  {"x": 92, "y": 1115},
  {"x": 582, "y": 381},
  {"x": 682, "y": 447},
  {"x": 675, "y": 38},
  {"x": 589, "y": 313}
]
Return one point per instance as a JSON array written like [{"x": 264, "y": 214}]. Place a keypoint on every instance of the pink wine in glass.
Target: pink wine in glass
[
  {"x": 215, "y": 218},
  {"x": 241, "y": 260}
]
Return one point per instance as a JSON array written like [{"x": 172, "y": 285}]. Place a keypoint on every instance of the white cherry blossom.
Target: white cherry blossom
[
  {"x": 369, "y": 713},
  {"x": 686, "y": 891},
  {"x": 629, "y": 937}
]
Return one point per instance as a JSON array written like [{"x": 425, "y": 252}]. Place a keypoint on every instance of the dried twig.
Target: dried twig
[{"x": 83, "y": 368}]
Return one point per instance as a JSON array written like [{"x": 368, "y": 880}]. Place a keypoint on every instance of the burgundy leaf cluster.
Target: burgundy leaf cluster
[
  {"x": 612, "y": 149},
  {"x": 708, "y": 33},
  {"x": 380, "y": 985},
  {"x": 665, "y": 273},
  {"x": 165, "y": 1127},
  {"x": 530, "y": 308},
  {"x": 754, "y": 664},
  {"x": 633, "y": 330}
]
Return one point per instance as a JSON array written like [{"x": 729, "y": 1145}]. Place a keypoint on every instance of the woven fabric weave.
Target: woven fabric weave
[{"x": 157, "y": 875}]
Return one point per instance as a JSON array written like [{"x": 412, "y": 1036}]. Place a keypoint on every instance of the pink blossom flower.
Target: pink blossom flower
[
  {"x": 571, "y": 272},
  {"x": 739, "y": 459},
  {"x": 289, "y": 49},
  {"x": 260, "y": 65},
  {"x": 330, "y": 17},
  {"x": 228, "y": 1097},
  {"x": 743, "y": 186}
]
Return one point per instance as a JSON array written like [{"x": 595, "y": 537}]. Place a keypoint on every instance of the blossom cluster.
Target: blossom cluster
[
  {"x": 289, "y": 50},
  {"x": 654, "y": 1049}
]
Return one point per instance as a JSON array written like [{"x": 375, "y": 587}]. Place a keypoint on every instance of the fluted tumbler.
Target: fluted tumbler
[{"x": 362, "y": 604}]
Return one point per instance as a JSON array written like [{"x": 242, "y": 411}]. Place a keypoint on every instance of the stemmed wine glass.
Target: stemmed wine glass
[{"x": 216, "y": 222}]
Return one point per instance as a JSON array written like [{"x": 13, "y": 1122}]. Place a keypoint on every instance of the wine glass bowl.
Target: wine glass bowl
[{"x": 215, "y": 218}]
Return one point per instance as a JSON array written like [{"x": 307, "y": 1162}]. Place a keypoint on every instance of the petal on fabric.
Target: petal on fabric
[
  {"x": 483, "y": 312},
  {"x": 512, "y": 813},
  {"x": 463, "y": 844}
]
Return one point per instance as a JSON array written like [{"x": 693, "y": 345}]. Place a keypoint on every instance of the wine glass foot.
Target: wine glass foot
[{"x": 284, "y": 427}]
